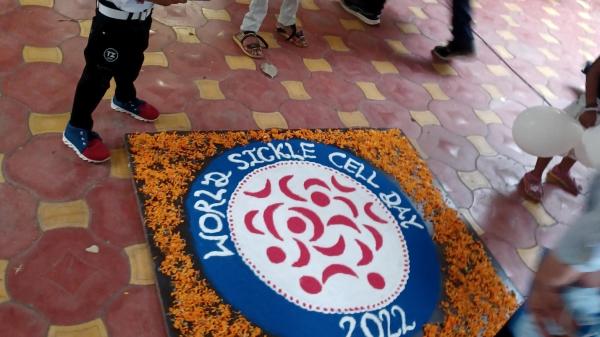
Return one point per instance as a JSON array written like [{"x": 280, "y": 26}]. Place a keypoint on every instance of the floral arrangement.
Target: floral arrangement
[{"x": 475, "y": 302}]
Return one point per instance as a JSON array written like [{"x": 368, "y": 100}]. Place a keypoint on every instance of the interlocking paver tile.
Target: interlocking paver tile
[
  {"x": 209, "y": 89},
  {"x": 353, "y": 119},
  {"x": 95, "y": 328},
  {"x": 141, "y": 264},
  {"x": 39, "y": 54},
  {"x": 173, "y": 122},
  {"x": 155, "y": 58},
  {"x": 531, "y": 256},
  {"x": 119, "y": 164},
  {"x": 385, "y": 67},
  {"x": 3, "y": 293},
  {"x": 186, "y": 34},
  {"x": 53, "y": 215},
  {"x": 296, "y": 90},
  {"x": 269, "y": 120}
]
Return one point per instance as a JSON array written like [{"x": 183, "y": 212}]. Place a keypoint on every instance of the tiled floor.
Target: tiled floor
[{"x": 73, "y": 260}]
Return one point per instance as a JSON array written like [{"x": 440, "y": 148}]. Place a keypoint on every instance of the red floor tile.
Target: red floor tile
[
  {"x": 505, "y": 217},
  {"x": 308, "y": 114},
  {"x": 11, "y": 55},
  {"x": 457, "y": 117},
  {"x": 136, "y": 312},
  {"x": 17, "y": 321},
  {"x": 264, "y": 95},
  {"x": 220, "y": 115},
  {"x": 449, "y": 148},
  {"x": 39, "y": 26},
  {"x": 77, "y": 10},
  {"x": 13, "y": 124},
  {"x": 115, "y": 217},
  {"x": 52, "y": 170},
  {"x": 71, "y": 284},
  {"x": 44, "y": 87},
  {"x": 388, "y": 114},
  {"x": 18, "y": 224}
]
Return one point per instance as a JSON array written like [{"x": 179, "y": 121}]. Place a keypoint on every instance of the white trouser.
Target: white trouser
[{"x": 258, "y": 10}]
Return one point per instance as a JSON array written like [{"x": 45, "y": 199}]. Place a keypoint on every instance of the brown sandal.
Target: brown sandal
[
  {"x": 293, "y": 35},
  {"x": 562, "y": 180},
  {"x": 252, "y": 49},
  {"x": 530, "y": 187}
]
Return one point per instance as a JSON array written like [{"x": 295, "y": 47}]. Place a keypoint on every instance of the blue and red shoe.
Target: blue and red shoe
[
  {"x": 137, "y": 109},
  {"x": 87, "y": 144}
]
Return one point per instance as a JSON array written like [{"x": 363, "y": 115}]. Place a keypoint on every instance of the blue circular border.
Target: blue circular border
[{"x": 237, "y": 284}]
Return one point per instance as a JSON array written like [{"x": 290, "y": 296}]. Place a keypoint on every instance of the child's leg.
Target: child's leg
[
  {"x": 255, "y": 16},
  {"x": 530, "y": 185},
  {"x": 133, "y": 58},
  {"x": 91, "y": 87},
  {"x": 94, "y": 80},
  {"x": 286, "y": 23},
  {"x": 287, "y": 12},
  {"x": 560, "y": 176}
]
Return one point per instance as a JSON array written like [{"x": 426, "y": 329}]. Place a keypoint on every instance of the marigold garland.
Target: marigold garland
[{"x": 476, "y": 302}]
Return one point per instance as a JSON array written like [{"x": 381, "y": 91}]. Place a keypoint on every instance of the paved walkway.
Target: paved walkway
[{"x": 73, "y": 259}]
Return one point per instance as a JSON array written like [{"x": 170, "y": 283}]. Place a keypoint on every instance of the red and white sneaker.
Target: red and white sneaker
[
  {"x": 87, "y": 144},
  {"x": 137, "y": 109}
]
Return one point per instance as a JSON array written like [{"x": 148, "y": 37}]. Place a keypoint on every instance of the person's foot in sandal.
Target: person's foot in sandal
[
  {"x": 530, "y": 187},
  {"x": 251, "y": 44},
  {"x": 563, "y": 179},
  {"x": 293, "y": 34}
]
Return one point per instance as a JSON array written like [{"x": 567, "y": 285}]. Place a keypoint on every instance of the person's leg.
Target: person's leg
[
  {"x": 255, "y": 16},
  {"x": 286, "y": 24},
  {"x": 368, "y": 11},
  {"x": 560, "y": 176},
  {"x": 287, "y": 12},
  {"x": 133, "y": 47},
  {"x": 90, "y": 89},
  {"x": 530, "y": 185},
  {"x": 134, "y": 43},
  {"x": 462, "y": 33},
  {"x": 248, "y": 39},
  {"x": 94, "y": 80}
]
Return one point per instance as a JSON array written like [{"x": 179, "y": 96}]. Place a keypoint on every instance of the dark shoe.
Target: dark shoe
[
  {"x": 353, "y": 8},
  {"x": 452, "y": 50},
  {"x": 137, "y": 109},
  {"x": 86, "y": 144}
]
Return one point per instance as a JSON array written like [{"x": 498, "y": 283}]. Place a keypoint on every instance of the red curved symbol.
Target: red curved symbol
[
  {"x": 286, "y": 190},
  {"x": 314, "y": 218},
  {"x": 371, "y": 214},
  {"x": 350, "y": 204},
  {"x": 336, "y": 250},
  {"x": 367, "y": 254},
  {"x": 342, "y": 220},
  {"x": 341, "y": 187},
  {"x": 248, "y": 219},
  {"x": 304, "y": 257},
  {"x": 335, "y": 269},
  {"x": 268, "y": 217},
  {"x": 265, "y": 192},
  {"x": 314, "y": 181},
  {"x": 376, "y": 236}
]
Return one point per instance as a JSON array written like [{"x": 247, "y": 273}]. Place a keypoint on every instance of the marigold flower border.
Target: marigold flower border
[{"x": 476, "y": 301}]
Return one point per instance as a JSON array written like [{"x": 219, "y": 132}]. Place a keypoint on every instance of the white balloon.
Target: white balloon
[
  {"x": 545, "y": 131},
  {"x": 581, "y": 154},
  {"x": 591, "y": 144}
]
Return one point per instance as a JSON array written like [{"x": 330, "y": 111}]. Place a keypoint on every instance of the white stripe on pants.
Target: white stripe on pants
[{"x": 258, "y": 10}]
